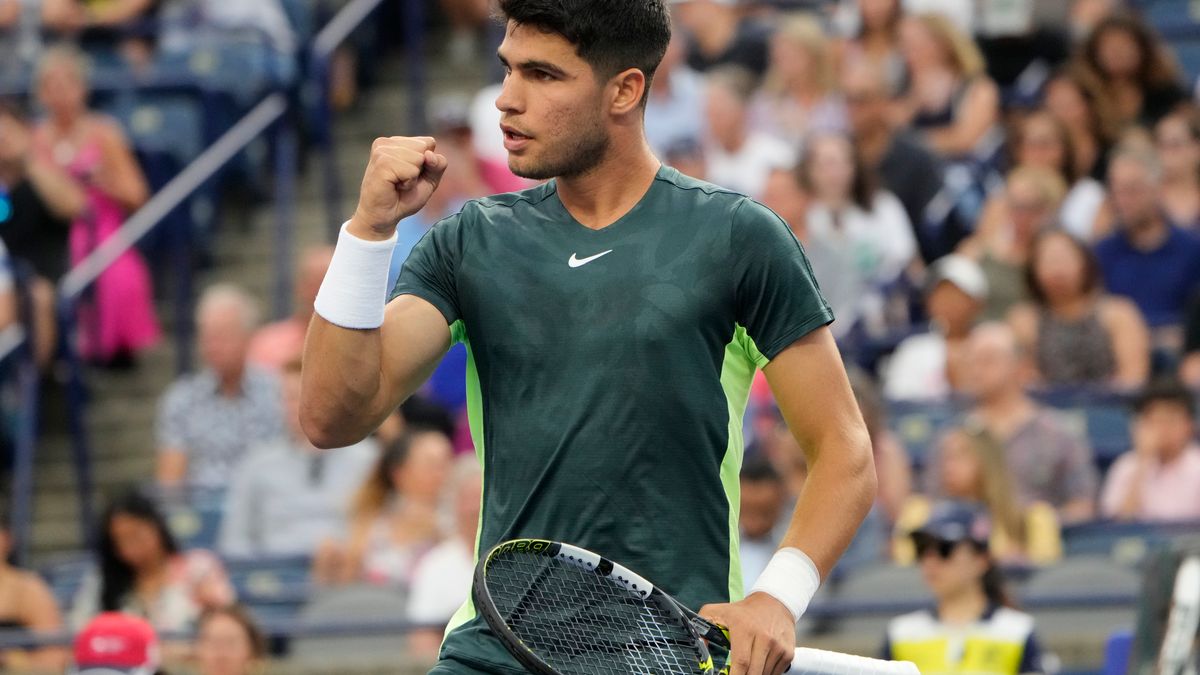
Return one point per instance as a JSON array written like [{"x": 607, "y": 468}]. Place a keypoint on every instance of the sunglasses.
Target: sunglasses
[{"x": 942, "y": 547}]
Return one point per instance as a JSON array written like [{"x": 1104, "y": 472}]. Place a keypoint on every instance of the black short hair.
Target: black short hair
[
  {"x": 1165, "y": 390},
  {"x": 759, "y": 470},
  {"x": 611, "y": 35}
]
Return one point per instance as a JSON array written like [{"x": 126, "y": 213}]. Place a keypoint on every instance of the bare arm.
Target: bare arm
[
  {"x": 62, "y": 194},
  {"x": 172, "y": 467},
  {"x": 810, "y": 385},
  {"x": 121, "y": 11},
  {"x": 977, "y": 114},
  {"x": 1130, "y": 341},
  {"x": 354, "y": 379},
  {"x": 41, "y": 615},
  {"x": 121, "y": 177}
]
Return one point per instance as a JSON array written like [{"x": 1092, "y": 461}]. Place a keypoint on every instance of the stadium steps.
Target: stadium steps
[{"x": 124, "y": 404}]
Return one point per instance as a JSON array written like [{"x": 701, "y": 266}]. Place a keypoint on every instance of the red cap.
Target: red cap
[{"x": 116, "y": 643}]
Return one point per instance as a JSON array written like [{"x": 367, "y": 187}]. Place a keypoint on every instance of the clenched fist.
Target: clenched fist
[{"x": 400, "y": 178}]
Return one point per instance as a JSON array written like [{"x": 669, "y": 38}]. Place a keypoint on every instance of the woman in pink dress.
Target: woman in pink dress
[{"x": 118, "y": 319}]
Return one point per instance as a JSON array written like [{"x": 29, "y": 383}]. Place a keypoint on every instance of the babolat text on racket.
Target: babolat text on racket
[{"x": 563, "y": 610}]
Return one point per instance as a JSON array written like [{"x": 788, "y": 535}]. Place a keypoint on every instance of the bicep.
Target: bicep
[
  {"x": 172, "y": 466},
  {"x": 813, "y": 392},
  {"x": 415, "y": 337},
  {"x": 42, "y": 613},
  {"x": 1131, "y": 343}
]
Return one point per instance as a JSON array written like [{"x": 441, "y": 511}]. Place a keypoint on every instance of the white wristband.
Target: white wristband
[
  {"x": 791, "y": 578},
  {"x": 354, "y": 292}
]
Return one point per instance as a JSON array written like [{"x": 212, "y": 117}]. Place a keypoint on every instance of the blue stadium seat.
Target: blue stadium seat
[
  {"x": 195, "y": 524},
  {"x": 1084, "y": 577},
  {"x": 1167, "y": 14},
  {"x": 275, "y": 588},
  {"x": 1126, "y": 543},
  {"x": 65, "y": 576},
  {"x": 920, "y": 425}
]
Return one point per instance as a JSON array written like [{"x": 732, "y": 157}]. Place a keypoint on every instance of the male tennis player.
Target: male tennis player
[{"x": 614, "y": 317}]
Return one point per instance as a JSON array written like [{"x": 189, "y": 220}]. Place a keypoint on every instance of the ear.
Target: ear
[{"x": 629, "y": 86}]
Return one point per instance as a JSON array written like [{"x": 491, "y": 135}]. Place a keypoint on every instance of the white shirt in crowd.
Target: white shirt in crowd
[
  {"x": 747, "y": 169},
  {"x": 441, "y": 582},
  {"x": 916, "y": 371}
]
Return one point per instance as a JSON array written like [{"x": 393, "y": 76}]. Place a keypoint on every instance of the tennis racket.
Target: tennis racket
[
  {"x": 1178, "y": 645},
  {"x": 563, "y": 610}
]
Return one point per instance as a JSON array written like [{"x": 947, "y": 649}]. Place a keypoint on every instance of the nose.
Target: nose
[{"x": 508, "y": 101}]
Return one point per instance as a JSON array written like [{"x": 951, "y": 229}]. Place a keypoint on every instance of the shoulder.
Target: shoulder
[
  {"x": 1117, "y": 312},
  {"x": 107, "y": 130},
  {"x": 1011, "y": 624},
  {"x": 506, "y": 201},
  {"x": 186, "y": 389},
  {"x": 1023, "y": 318},
  {"x": 912, "y": 626},
  {"x": 1112, "y": 245}
]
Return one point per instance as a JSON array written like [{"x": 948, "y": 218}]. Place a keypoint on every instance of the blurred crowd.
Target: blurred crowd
[{"x": 1000, "y": 200}]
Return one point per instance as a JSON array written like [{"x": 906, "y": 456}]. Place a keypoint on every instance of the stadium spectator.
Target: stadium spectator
[
  {"x": 9, "y": 312},
  {"x": 119, "y": 321},
  {"x": 719, "y": 35},
  {"x": 442, "y": 578},
  {"x": 848, "y": 213},
  {"x": 1177, "y": 139},
  {"x": 115, "y": 643},
  {"x": 207, "y": 420},
  {"x": 229, "y": 642},
  {"x": 1032, "y": 197},
  {"x": 973, "y": 471},
  {"x": 287, "y": 497},
  {"x": 143, "y": 572},
  {"x": 1071, "y": 332},
  {"x": 1075, "y": 96},
  {"x": 950, "y": 98},
  {"x": 467, "y": 20},
  {"x": 876, "y": 41},
  {"x": 1189, "y": 370},
  {"x": 931, "y": 365},
  {"x": 70, "y": 16},
  {"x": 676, "y": 94},
  {"x": 26, "y": 603},
  {"x": 394, "y": 516},
  {"x": 784, "y": 194},
  {"x": 42, "y": 200},
  {"x": 799, "y": 93},
  {"x": 281, "y": 342},
  {"x": 738, "y": 156},
  {"x": 1044, "y": 141},
  {"x": 10, "y": 13},
  {"x": 904, "y": 165},
  {"x": 1147, "y": 259},
  {"x": 1159, "y": 479},
  {"x": 762, "y": 518},
  {"x": 1050, "y": 463},
  {"x": 37, "y": 202},
  {"x": 1136, "y": 74},
  {"x": 973, "y": 628}
]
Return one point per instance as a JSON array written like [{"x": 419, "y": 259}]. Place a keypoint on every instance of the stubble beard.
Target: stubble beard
[{"x": 575, "y": 156}]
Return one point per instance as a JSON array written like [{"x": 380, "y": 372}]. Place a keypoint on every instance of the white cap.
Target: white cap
[{"x": 963, "y": 272}]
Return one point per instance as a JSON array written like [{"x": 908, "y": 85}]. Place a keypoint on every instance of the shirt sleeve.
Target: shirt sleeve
[
  {"x": 776, "y": 294},
  {"x": 1117, "y": 485},
  {"x": 172, "y": 415},
  {"x": 430, "y": 272},
  {"x": 1031, "y": 656}
]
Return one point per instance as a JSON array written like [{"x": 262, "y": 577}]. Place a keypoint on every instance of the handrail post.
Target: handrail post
[
  {"x": 181, "y": 252},
  {"x": 76, "y": 405},
  {"x": 285, "y": 212},
  {"x": 414, "y": 41},
  {"x": 29, "y": 398}
]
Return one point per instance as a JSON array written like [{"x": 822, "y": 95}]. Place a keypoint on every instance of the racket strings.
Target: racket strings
[{"x": 580, "y": 622}]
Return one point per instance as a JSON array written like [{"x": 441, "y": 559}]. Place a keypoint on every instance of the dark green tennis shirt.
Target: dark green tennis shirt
[{"x": 608, "y": 372}]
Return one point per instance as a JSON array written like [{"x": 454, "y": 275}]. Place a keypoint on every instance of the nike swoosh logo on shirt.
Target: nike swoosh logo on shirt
[{"x": 576, "y": 262}]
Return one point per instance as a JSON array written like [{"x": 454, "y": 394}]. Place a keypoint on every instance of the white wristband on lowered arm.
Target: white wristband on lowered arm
[
  {"x": 354, "y": 291},
  {"x": 791, "y": 578}
]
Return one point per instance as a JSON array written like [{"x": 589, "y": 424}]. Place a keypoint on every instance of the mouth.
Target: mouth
[{"x": 514, "y": 140}]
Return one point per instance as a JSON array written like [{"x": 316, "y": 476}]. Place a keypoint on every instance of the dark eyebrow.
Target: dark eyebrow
[{"x": 545, "y": 66}]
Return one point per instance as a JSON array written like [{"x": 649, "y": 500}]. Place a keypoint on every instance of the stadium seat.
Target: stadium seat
[
  {"x": 275, "y": 588},
  {"x": 919, "y": 425},
  {"x": 1117, "y": 651},
  {"x": 64, "y": 577},
  {"x": 1125, "y": 543},
  {"x": 197, "y": 522},
  {"x": 1068, "y": 600},
  {"x": 870, "y": 597},
  {"x": 351, "y": 604}
]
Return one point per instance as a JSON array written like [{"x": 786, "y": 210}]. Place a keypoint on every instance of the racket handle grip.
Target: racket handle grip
[{"x": 820, "y": 662}]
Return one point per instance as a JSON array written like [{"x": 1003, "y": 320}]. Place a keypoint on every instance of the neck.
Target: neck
[
  {"x": 609, "y": 190},
  {"x": 1007, "y": 404},
  {"x": 1186, "y": 180},
  {"x": 1071, "y": 308},
  {"x": 964, "y": 607},
  {"x": 231, "y": 383},
  {"x": 873, "y": 142},
  {"x": 1169, "y": 455},
  {"x": 1149, "y": 235}
]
